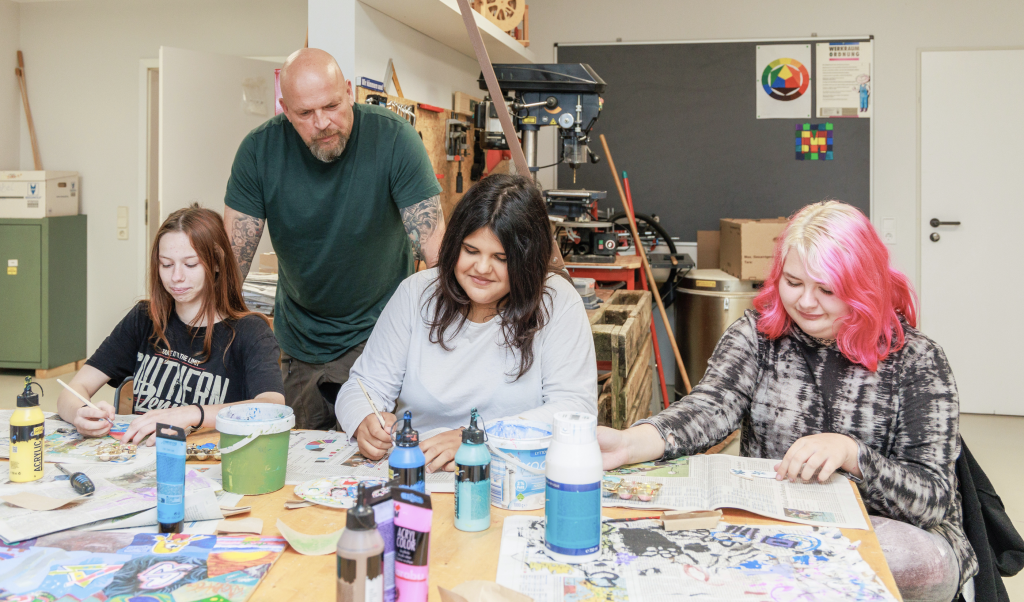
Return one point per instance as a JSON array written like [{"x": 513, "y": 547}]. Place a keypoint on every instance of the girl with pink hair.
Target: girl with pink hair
[{"x": 829, "y": 374}]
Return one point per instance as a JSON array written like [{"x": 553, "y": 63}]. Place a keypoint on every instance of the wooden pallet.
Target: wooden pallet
[{"x": 622, "y": 336}]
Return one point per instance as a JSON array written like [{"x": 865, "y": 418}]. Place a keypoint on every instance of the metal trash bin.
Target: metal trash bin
[{"x": 707, "y": 303}]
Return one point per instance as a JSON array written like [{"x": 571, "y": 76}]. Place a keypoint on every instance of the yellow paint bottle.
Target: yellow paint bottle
[{"x": 27, "y": 436}]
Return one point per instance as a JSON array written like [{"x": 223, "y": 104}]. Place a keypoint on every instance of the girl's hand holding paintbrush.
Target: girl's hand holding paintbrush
[
  {"x": 94, "y": 422},
  {"x": 373, "y": 438},
  {"x": 91, "y": 419}
]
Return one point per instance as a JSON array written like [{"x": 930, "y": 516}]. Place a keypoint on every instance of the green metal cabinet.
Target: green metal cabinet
[{"x": 42, "y": 291}]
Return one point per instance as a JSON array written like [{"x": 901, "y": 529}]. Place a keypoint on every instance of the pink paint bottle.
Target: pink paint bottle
[{"x": 413, "y": 514}]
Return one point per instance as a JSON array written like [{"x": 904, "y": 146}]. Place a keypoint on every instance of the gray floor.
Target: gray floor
[{"x": 990, "y": 439}]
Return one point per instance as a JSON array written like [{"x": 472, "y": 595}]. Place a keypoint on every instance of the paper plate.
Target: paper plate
[{"x": 334, "y": 492}]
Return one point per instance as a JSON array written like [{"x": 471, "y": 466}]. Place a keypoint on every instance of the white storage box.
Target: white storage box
[{"x": 38, "y": 194}]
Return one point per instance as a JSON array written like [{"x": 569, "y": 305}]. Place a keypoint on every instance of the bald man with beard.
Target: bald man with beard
[{"x": 350, "y": 199}]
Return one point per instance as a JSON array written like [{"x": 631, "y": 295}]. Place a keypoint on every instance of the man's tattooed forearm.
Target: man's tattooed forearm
[
  {"x": 420, "y": 222},
  {"x": 245, "y": 237}
]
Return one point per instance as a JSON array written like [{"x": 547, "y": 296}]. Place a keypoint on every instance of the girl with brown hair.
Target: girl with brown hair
[
  {"x": 192, "y": 347},
  {"x": 493, "y": 327}
]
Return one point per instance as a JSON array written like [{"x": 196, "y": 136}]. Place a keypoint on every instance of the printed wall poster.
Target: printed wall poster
[
  {"x": 844, "y": 79},
  {"x": 783, "y": 74}
]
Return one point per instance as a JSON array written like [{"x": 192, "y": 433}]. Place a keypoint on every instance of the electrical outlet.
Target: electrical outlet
[
  {"x": 122, "y": 234},
  {"x": 889, "y": 230}
]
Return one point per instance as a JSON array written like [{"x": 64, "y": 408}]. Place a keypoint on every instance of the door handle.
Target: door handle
[{"x": 935, "y": 223}]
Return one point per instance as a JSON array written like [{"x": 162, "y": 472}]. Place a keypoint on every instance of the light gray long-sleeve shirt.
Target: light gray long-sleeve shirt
[{"x": 403, "y": 370}]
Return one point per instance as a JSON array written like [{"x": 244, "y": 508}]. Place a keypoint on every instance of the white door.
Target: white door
[
  {"x": 208, "y": 103},
  {"x": 972, "y": 172}
]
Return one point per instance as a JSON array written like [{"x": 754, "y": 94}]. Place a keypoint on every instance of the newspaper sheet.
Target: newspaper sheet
[
  {"x": 201, "y": 494},
  {"x": 63, "y": 443},
  {"x": 201, "y": 501},
  {"x": 318, "y": 454},
  {"x": 720, "y": 481},
  {"x": 641, "y": 562},
  {"x": 109, "y": 501}
]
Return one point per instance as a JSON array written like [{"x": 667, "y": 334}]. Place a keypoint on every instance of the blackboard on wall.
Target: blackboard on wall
[{"x": 680, "y": 119}]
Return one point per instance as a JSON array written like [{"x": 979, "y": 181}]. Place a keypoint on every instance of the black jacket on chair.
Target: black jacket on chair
[{"x": 998, "y": 545}]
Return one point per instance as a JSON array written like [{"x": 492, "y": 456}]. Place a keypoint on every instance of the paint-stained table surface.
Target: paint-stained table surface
[{"x": 455, "y": 556}]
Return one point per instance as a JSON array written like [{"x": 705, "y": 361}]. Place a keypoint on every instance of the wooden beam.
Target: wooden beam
[{"x": 19, "y": 71}]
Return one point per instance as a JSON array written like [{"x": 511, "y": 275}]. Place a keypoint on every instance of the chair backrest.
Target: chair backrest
[{"x": 124, "y": 399}]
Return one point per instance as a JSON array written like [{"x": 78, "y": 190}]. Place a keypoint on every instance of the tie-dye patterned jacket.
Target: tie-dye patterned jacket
[{"x": 904, "y": 418}]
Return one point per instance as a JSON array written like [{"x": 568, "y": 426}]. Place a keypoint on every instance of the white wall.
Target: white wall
[
  {"x": 10, "y": 95},
  {"x": 900, "y": 29},
  {"x": 332, "y": 28},
  {"x": 428, "y": 70},
  {"x": 83, "y": 62}
]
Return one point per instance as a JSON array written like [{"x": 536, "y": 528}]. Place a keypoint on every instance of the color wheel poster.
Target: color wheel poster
[
  {"x": 844, "y": 79},
  {"x": 784, "y": 81}
]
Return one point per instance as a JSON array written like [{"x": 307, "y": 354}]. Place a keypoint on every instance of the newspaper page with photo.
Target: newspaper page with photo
[
  {"x": 719, "y": 481},
  {"x": 318, "y": 454}
]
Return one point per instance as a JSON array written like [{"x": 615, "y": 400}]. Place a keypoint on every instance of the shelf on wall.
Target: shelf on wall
[{"x": 442, "y": 21}]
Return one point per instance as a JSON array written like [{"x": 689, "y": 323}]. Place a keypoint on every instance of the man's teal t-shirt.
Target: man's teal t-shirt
[{"x": 341, "y": 246}]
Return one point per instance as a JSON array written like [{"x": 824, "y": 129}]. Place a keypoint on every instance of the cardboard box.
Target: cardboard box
[
  {"x": 38, "y": 194},
  {"x": 708, "y": 242},
  {"x": 747, "y": 246},
  {"x": 268, "y": 263}
]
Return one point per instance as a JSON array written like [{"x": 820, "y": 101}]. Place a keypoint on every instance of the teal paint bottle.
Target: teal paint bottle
[{"x": 473, "y": 479}]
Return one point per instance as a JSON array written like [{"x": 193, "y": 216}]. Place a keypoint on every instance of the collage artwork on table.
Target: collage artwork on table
[{"x": 76, "y": 566}]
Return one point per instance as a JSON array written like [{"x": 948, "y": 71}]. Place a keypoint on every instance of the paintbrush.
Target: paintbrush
[
  {"x": 630, "y": 520},
  {"x": 84, "y": 400},
  {"x": 373, "y": 406}
]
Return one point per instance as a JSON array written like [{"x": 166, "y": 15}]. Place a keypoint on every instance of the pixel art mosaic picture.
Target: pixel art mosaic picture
[{"x": 814, "y": 142}]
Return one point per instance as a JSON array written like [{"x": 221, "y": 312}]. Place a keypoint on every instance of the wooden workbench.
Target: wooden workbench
[
  {"x": 455, "y": 556},
  {"x": 626, "y": 268}
]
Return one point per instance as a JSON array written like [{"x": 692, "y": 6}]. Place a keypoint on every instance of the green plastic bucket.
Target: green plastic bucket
[{"x": 254, "y": 446}]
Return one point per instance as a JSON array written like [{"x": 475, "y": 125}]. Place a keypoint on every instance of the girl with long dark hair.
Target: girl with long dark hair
[
  {"x": 493, "y": 326},
  {"x": 192, "y": 347}
]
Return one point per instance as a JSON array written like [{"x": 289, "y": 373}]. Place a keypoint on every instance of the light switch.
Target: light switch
[
  {"x": 122, "y": 223},
  {"x": 889, "y": 230}
]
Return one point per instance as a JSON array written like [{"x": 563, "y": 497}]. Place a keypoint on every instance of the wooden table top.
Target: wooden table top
[{"x": 455, "y": 556}]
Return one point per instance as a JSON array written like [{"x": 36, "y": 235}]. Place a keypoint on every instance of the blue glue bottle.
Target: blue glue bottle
[
  {"x": 473, "y": 479},
  {"x": 407, "y": 462},
  {"x": 170, "y": 478}
]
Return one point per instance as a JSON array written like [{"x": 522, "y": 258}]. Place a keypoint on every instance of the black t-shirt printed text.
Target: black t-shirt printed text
[{"x": 166, "y": 378}]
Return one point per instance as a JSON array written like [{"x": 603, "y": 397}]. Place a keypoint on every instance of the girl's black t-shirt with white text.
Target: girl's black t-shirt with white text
[{"x": 167, "y": 378}]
